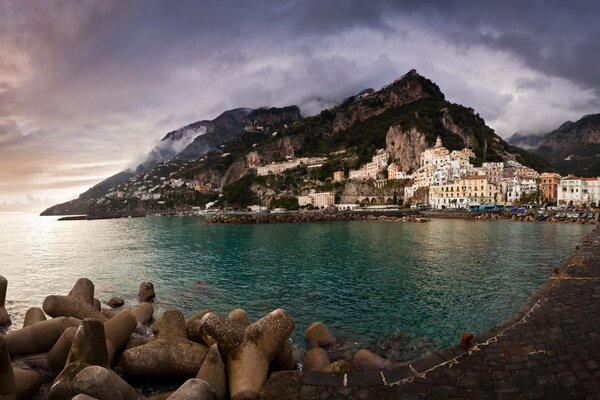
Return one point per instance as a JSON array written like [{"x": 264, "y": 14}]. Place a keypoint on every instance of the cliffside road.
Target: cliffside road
[{"x": 549, "y": 349}]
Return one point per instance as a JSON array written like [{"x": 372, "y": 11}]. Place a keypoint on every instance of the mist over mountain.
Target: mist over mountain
[{"x": 572, "y": 148}]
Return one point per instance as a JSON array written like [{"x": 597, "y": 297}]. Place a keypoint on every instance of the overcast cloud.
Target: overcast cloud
[{"x": 87, "y": 86}]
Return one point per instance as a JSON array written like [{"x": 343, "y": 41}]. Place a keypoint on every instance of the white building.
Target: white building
[
  {"x": 571, "y": 192},
  {"x": 370, "y": 170},
  {"x": 278, "y": 168},
  {"x": 319, "y": 200}
]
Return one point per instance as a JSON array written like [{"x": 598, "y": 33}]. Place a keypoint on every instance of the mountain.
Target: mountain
[
  {"x": 404, "y": 117},
  {"x": 190, "y": 142},
  {"x": 572, "y": 148}
]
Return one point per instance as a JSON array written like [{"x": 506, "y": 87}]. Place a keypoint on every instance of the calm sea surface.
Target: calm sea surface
[{"x": 386, "y": 284}]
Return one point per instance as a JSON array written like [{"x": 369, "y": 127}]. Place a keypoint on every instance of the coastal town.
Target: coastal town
[{"x": 444, "y": 180}]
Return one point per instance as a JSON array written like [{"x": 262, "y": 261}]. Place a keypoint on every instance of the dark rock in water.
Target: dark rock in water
[
  {"x": 115, "y": 302},
  {"x": 146, "y": 292},
  {"x": 401, "y": 347}
]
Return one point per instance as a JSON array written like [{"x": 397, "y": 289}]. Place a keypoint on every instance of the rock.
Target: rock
[
  {"x": 38, "y": 338},
  {"x": 339, "y": 367},
  {"x": 57, "y": 356},
  {"x": 465, "y": 339},
  {"x": 146, "y": 292},
  {"x": 213, "y": 372},
  {"x": 248, "y": 350},
  {"x": 318, "y": 334},
  {"x": 98, "y": 304},
  {"x": 171, "y": 354},
  {"x": 33, "y": 316},
  {"x": 117, "y": 331},
  {"x": 97, "y": 382},
  {"x": 4, "y": 317},
  {"x": 78, "y": 303},
  {"x": 115, "y": 302},
  {"x": 364, "y": 360},
  {"x": 239, "y": 316},
  {"x": 194, "y": 389},
  {"x": 316, "y": 360}
]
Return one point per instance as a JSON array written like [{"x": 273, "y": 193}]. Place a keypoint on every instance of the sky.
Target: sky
[{"x": 87, "y": 87}]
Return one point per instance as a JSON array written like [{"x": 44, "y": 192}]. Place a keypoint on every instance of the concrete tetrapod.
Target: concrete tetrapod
[
  {"x": 171, "y": 354},
  {"x": 16, "y": 383},
  {"x": 365, "y": 360},
  {"x": 213, "y": 372},
  {"x": 4, "y": 317},
  {"x": 146, "y": 292},
  {"x": 248, "y": 350},
  {"x": 33, "y": 316},
  {"x": 78, "y": 303},
  {"x": 194, "y": 389},
  {"x": 89, "y": 348},
  {"x": 38, "y": 338},
  {"x": 117, "y": 330},
  {"x": 191, "y": 328}
]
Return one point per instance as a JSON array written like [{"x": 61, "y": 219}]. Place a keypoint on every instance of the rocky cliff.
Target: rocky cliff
[{"x": 572, "y": 148}]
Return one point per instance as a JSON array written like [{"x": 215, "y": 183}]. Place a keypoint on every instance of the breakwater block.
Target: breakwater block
[
  {"x": 213, "y": 372},
  {"x": 38, "y": 338},
  {"x": 248, "y": 350},
  {"x": 4, "y": 317},
  {"x": 194, "y": 389},
  {"x": 171, "y": 354},
  {"x": 79, "y": 303},
  {"x": 33, "y": 316}
]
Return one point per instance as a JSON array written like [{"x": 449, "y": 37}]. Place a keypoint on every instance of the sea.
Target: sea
[{"x": 400, "y": 289}]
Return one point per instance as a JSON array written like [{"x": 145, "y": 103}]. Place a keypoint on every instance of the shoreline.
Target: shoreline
[{"x": 414, "y": 377}]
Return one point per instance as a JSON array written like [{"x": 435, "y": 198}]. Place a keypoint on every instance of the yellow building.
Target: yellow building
[
  {"x": 464, "y": 192},
  {"x": 338, "y": 176}
]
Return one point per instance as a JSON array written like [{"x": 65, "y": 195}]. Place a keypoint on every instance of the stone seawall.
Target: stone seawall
[{"x": 291, "y": 217}]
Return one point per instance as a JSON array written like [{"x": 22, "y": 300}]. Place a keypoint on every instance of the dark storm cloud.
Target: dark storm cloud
[{"x": 83, "y": 83}]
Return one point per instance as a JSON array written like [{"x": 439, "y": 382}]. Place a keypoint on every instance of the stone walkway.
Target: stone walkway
[{"x": 550, "y": 349}]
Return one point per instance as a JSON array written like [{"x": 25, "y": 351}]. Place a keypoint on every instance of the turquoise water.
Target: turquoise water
[{"x": 421, "y": 285}]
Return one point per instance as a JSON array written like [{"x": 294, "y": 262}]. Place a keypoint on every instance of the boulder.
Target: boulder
[
  {"x": 248, "y": 350},
  {"x": 146, "y": 292},
  {"x": 364, "y": 360},
  {"x": 171, "y": 354},
  {"x": 33, "y": 316},
  {"x": 4, "y": 317},
  {"x": 79, "y": 303},
  {"x": 316, "y": 360},
  {"x": 115, "y": 302},
  {"x": 318, "y": 334},
  {"x": 194, "y": 389},
  {"x": 38, "y": 338},
  {"x": 213, "y": 372}
]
